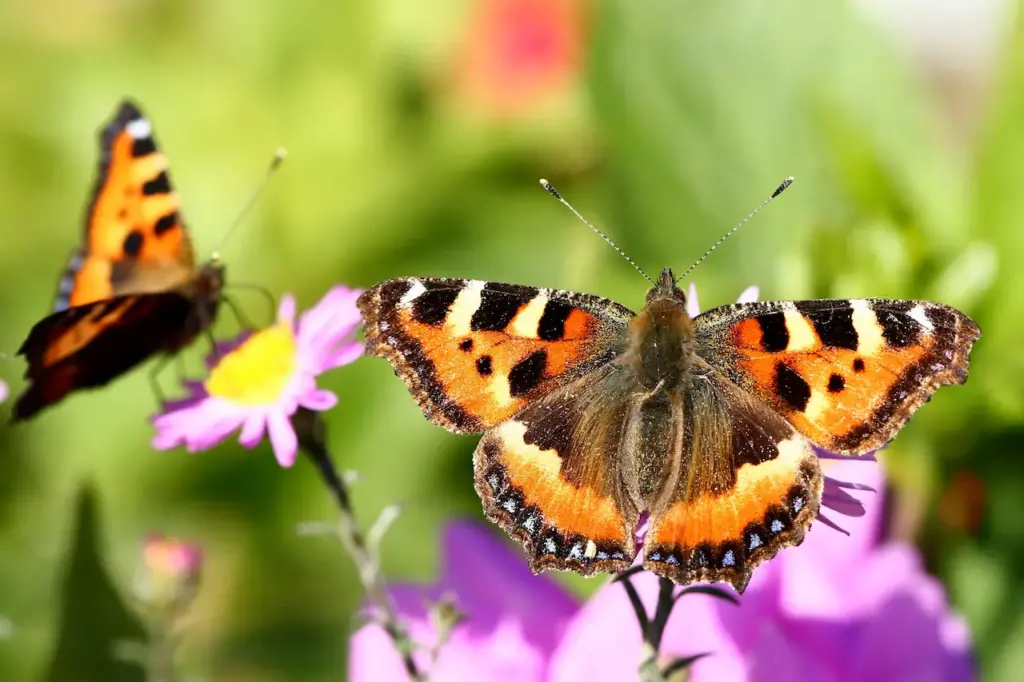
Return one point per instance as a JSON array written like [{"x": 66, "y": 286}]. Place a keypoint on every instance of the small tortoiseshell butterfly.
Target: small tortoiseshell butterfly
[
  {"x": 594, "y": 415},
  {"x": 132, "y": 290}
]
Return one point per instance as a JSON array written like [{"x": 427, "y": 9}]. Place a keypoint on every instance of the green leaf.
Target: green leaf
[{"x": 93, "y": 619}]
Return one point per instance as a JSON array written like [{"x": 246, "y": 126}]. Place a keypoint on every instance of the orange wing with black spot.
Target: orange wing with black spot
[
  {"x": 475, "y": 353},
  {"x": 847, "y": 374},
  {"x": 135, "y": 240}
]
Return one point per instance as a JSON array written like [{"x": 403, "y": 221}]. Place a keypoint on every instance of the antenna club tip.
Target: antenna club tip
[
  {"x": 279, "y": 156},
  {"x": 782, "y": 187},
  {"x": 551, "y": 189}
]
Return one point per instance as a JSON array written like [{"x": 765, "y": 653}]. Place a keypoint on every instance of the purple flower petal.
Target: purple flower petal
[
  {"x": 252, "y": 431},
  {"x": 350, "y": 352},
  {"x": 491, "y": 578},
  {"x": 282, "y": 438},
  {"x": 286, "y": 310},
  {"x": 319, "y": 400}
]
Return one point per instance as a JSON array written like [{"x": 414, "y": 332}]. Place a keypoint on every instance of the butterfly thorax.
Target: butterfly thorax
[
  {"x": 661, "y": 339},
  {"x": 204, "y": 292}
]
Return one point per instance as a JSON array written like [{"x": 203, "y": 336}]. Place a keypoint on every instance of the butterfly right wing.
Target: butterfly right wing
[
  {"x": 475, "y": 353},
  {"x": 91, "y": 344},
  {"x": 135, "y": 240}
]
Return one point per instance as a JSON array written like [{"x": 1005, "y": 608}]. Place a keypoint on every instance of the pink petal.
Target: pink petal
[
  {"x": 282, "y": 438},
  {"x": 335, "y": 314},
  {"x": 199, "y": 426},
  {"x": 318, "y": 400},
  {"x": 692, "y": 305},
  {"x": 4, "y": 391},
  {"x": 350, "y": 352},
  {"x": 286, "y": 310},
  {"x": 252, "y": 431},
  {"x": 372, "y": 657},
  {"x": 749, "y": 295}
]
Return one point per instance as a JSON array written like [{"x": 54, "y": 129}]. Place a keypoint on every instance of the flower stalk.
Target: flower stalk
[
  {"x": 311, "y": 432},
  {"x": 653, "y": 627}
]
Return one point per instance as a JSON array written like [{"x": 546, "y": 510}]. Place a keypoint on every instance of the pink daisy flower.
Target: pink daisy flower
[{"x": 259, "y": 380}]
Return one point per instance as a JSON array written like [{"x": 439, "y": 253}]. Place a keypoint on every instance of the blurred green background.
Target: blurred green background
[{"x": 416, "y": 134}]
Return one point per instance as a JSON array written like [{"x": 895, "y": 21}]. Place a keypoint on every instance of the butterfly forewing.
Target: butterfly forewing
[
  {"x": 475, "y": 353},
  {"x": 848, "y": 374}
]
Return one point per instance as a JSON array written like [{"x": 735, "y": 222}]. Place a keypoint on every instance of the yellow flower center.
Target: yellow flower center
[{"x": 256, "y": 372}]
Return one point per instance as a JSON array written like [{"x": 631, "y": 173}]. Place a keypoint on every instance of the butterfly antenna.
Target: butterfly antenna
[
  {"x": 275, "y": 163},
  {"x": 778, "y": 190},
  {"x": 554, "y": 192}
]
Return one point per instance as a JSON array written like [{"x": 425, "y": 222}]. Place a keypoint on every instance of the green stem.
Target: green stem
[{"x": 310, "y": 429}]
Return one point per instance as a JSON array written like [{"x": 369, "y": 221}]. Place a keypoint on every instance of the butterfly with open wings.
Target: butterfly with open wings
[
  {"x": 132, "y": 290},
  {"x": 593, "y": 415}
]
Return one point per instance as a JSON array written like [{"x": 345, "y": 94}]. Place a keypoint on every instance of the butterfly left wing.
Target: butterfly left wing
[
  {"x": 135, "y": 240},
  {"x": 475, "y": 353},
  {"x": 550, "y": 475},
  {"x": 847, "y": 374},
  {"x": 88, "y": 345}
]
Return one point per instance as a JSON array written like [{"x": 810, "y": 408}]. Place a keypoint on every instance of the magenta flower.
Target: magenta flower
[
  {"x": 259, "y": 380},
  {"x": 513, "y": 622},
  {"x": 833, "y": 609}
]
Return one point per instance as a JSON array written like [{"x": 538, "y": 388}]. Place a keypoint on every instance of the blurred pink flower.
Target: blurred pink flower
[
  {"x": 260, "y": 379},
  {"x": 168, "y": 577},
  {"x": 834, "y": 609},
  {"x": 4, "y": 390},
  {"x": 520, "y": 51},
  {"x": 513, "y": 619}
]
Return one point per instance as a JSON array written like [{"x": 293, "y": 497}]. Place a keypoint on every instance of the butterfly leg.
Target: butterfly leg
[
  {"x": 263, "y": 291},
  {"x": 154, "y": 379},
  {"x": 241, "y": 318}
]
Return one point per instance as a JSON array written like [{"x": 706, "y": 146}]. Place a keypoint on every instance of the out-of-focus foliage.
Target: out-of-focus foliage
[{"x": 662, "y": 121}]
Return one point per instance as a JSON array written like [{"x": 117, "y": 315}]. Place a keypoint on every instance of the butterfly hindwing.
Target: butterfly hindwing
[
  {"x": 135, "y": 240},
  {"x": 748, "y": 485},
  {"x": 549, "y": 476},
  {"x": 847, "y": 374},
  {"x": 87, "y": 346},
  {"x": 475, "y": 353}
]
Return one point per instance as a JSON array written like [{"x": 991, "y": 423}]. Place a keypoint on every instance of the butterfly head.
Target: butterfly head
[
  {"x": 207, "y": 287},
  {"x": 665, "y": 290}
]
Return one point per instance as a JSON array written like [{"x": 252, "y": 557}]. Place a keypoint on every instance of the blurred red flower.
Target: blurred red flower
[{"x": 519, "y": 52}]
